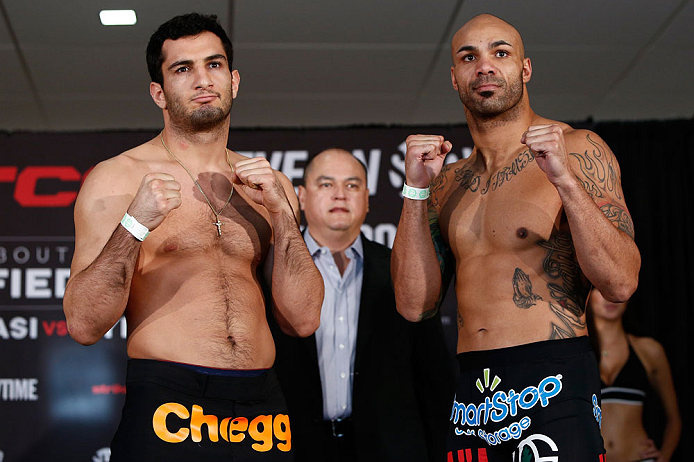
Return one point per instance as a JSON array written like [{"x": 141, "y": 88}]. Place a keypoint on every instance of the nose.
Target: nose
[
  {"x": 202, "y": 78},
  {"x": 339, "y": 192},
  {"x": 485, "y": 66}
]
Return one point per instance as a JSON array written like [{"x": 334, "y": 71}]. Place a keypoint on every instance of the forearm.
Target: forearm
[
  {"x": 297, "y": 286},
  {"x": 607, "y": 256},
  {"x": 414, "y": 265},
  {"x": 95, "y": 298},
  {"x": 671, "y": 437}
]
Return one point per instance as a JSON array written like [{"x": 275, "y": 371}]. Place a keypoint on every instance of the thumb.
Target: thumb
[{"x": 446, "y": 147}]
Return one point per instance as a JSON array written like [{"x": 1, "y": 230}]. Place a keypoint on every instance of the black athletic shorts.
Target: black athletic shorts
[
  {"x": 175, "y": 412},
  {"x": 534, "y": 402}
]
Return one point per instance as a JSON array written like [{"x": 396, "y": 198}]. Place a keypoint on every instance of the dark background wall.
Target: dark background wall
[{"x": 60, "y": 401}]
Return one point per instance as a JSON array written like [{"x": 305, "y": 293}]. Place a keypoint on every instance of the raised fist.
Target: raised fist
[
  {"x": 159, "y": 194},
  {"x": 424, "y": 158}
]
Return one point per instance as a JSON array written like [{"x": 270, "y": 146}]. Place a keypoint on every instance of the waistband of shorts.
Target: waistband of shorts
[
  {"x": 188, "y": 380},
  {"x": 545, "y": 350}
]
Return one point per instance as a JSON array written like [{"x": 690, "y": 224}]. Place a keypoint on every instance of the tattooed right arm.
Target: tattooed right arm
[{"x": 421, "y": 262}]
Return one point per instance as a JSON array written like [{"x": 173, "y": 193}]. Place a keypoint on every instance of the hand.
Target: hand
[
  {"x": 650, "y": 451},
  {"x": 424, "y": 158},
  {"x": 546, "y": 142},
  {"x": 159, "y": 194},
  {"x": 260, "y": 182}
]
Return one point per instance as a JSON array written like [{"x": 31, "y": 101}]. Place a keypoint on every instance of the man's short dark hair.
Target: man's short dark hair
[{"x": 186, "y": 25}]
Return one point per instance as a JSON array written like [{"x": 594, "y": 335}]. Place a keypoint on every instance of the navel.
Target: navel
[{"x": 522, "y": 233}]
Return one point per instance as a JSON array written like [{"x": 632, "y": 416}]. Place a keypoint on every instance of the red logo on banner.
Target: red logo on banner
[
  {"x": 103, "y": 389},
  {"x": 27, "y": 180}
]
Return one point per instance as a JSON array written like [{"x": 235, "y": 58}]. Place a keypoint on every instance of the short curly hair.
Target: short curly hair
[{"x": 186, "y": 25}]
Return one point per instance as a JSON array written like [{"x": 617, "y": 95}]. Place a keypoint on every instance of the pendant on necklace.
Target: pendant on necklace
[{"x": 218, "y": 224}]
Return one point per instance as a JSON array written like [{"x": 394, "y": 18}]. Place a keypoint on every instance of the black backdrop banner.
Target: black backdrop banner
[{"x": 61, "y": 401}]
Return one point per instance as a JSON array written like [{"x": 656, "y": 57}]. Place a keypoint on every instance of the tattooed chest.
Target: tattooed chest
[{"x": 475, "y": 182}]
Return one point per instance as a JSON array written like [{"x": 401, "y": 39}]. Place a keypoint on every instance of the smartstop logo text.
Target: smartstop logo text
[{"x": 502, "y": 408}]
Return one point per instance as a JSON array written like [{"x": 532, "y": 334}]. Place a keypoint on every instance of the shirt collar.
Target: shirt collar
[{"x": 313, "y": 247}]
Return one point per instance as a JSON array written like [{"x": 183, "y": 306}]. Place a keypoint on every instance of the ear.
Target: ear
[
  {"x": 157, "y": 94},
  {"x": 455, "y": 84},
  {"x": 367, "y": 200},
  {"x": 527, "y": 70},
  {"x": 302, "y": 197},
  {"x": 235, "y": 81}
]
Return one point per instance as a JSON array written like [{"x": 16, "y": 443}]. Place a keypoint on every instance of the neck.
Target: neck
[
  {"x": 497, "y": 138},
  {"x": 610, "y": 331},
  {"x": 336, "y": 241},
  {"x": 199, "y": 147}
]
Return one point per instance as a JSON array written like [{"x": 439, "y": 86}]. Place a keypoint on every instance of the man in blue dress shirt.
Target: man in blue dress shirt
[{"x": 368, "y": 385}]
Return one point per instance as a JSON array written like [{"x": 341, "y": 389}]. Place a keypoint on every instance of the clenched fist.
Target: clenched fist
[
  {"x": 424, "y": 158},
  {"x": 547, "y": 144},
  {"x": 261, "y": 183},
  {"x": 159, "y": 194}
]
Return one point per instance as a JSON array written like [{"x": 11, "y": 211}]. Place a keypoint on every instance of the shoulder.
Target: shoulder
[
  {"x": 587, "y": 142},
  {"x": 650, "y": 351},
  {"x": 119, "y": 174}
]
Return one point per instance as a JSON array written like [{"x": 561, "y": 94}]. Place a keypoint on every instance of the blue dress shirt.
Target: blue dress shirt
[{"x": 336, "y": 338}]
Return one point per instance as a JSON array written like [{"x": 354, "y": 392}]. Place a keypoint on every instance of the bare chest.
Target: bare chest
[
  {"x": 241, "y": 231},
  {"x": 505, "y": 211}
]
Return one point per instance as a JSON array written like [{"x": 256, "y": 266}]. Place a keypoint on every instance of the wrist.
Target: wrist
[
  {"x": 568, "y": 184},
  {"x": 134, "y": 227},
  {"x": 412, "y": 192},
  {"x": 279, "y": 217}
]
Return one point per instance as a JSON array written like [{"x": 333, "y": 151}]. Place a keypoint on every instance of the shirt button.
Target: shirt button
[
  {"x": 343, "y": 375},
  {"x": 342, "y": 346},
  {"x": 341, "y": 318},
  {"x": 344, "y": 406},
  {"x": 332, "y": 266}
]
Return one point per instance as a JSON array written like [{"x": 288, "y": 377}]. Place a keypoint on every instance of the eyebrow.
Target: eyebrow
[
  {"x": 188, "y": 62},
  {"x": 330, "y": 178},
  {"x": 492, "y": 46}
]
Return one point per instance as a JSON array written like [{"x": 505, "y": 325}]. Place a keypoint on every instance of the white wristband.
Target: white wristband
[
  {"x": 134, "y": 227},
  {"x": 418, "y": 194}
]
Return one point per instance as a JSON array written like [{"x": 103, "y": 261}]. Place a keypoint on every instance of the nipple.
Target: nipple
[
  {"x": 522, "y": 233},
  {"x": 170, "y": 247}
]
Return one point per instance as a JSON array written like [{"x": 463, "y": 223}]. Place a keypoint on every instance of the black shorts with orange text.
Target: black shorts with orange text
[
  {"x": 174, "y": 412},
  {"x": 535, "y": 402}
]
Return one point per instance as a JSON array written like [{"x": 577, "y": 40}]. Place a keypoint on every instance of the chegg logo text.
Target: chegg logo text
[{"x": 262, "y": 429}]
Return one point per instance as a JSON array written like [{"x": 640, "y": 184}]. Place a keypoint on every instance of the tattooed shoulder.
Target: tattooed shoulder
[{"x": 597, "y": 167}]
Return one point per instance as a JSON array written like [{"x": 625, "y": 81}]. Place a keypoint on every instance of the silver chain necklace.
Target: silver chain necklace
[{"x": 217, "y": 223}]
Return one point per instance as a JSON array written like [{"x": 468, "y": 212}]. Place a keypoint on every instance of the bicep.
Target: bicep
[
  {"x": 98, "y": 210},
  {"x": 596, "y": 167}
]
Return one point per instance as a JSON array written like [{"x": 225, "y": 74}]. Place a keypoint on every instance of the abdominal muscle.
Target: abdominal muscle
[
  {"x": 195, "y": 310},
  {"x": 488, "y": 317},
  {"x": 623, "y": 432}
]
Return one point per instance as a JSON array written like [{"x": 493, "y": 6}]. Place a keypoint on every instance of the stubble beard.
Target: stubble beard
[
  {"x": 203, "y": 118},
  {"x": 492, "y": 104}
]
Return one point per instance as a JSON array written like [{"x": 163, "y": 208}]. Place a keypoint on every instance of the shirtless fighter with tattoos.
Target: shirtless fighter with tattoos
[
  {"x": 178, "y": 233},
  {"x": 527, "y": 224}
]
